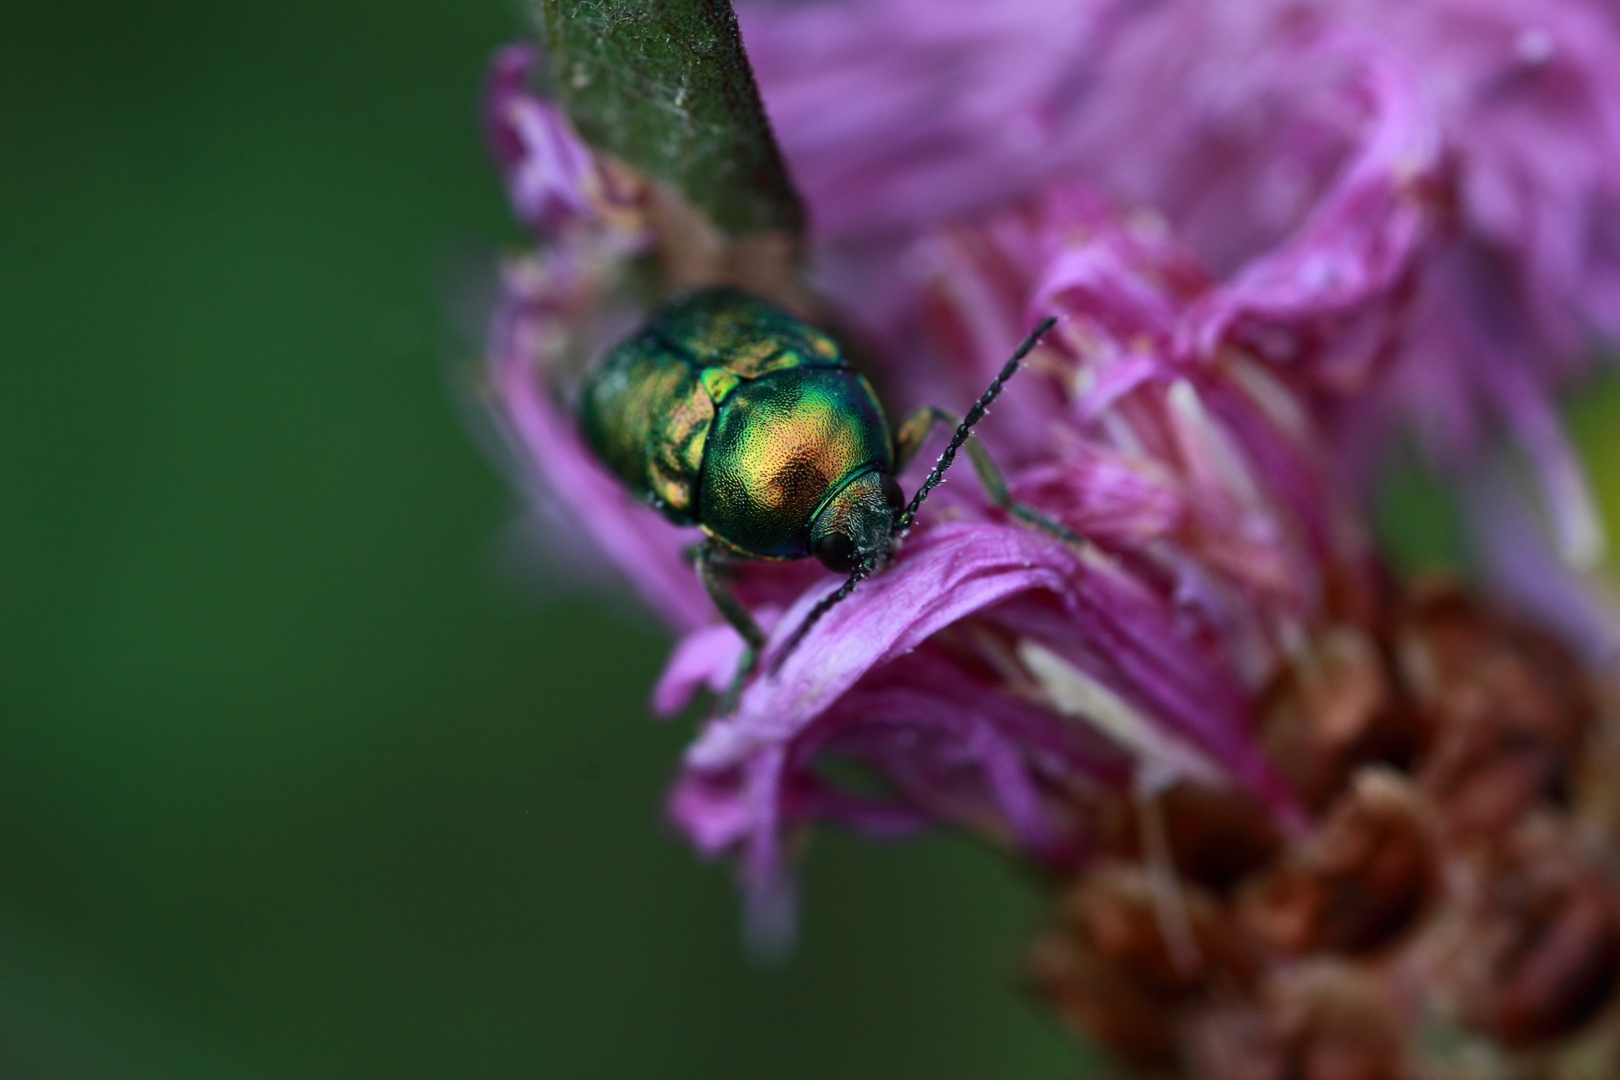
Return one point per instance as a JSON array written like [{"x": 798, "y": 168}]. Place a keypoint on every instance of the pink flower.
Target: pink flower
[
  {"x": 994, "y": 678},
  {"x": 1274, "y": 233},
  {"x": 1471, "y": 148}
]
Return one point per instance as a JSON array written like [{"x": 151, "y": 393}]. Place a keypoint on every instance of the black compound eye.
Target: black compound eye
[
  {"x": 836, "y": 552},
  {"x": 892, "y": 493}
]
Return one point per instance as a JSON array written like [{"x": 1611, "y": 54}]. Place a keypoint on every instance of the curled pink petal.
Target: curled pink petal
[
  {"x": 947, "y": 574},
  {"x": 706, "y": 658},
  {"x": 550, "y": 174},
  {"x": 556, "y": 463},
  {"x": 1355, "y": 245}
]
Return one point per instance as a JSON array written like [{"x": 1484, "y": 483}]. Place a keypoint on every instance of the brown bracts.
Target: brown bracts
[{"x": 1450, "y": 913}]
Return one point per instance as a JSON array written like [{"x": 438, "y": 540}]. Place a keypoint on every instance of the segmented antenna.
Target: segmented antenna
[
  {"x": 903, "y": 522},
  {"x": 965, "y": 428},
  {"x": 856, "y": 576}
]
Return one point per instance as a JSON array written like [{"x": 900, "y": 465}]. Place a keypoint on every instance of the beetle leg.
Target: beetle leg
[
  {"x": 909, "y": 436},
  {"x": 735, "y": 614},
  {"x": 914, "y": 430}
]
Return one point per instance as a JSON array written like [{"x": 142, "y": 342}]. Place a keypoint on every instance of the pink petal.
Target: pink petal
[{"x": 555, "y": 461}]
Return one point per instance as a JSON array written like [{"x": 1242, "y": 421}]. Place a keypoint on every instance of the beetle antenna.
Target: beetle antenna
[
  {"x": 825, "y": 604},
  {"x": 965, "y": 428},
  {"x": 903, "y": 521}
]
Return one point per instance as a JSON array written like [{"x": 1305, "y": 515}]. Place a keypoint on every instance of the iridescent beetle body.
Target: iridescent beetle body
[{"x": 726, "y": 413}]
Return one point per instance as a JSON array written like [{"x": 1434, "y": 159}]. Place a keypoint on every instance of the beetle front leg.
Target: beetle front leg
[
  {"x": 703, "y": 558},
  {"x": 913, "y": 431}
]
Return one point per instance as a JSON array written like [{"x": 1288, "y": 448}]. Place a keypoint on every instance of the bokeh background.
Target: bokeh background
[{"x": 302, "y": 773}]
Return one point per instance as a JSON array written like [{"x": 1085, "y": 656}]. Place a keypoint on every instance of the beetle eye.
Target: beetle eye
[
  {"x": 892, "y": 493},
  {"x": 836, "y": 552}
]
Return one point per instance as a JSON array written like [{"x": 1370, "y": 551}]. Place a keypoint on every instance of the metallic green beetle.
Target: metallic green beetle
[{"x": 726, "y": 413}]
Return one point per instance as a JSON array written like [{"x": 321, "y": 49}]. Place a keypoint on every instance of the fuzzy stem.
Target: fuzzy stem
[{"x": 665, "y": 86}]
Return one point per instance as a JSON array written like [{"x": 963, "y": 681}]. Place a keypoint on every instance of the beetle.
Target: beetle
[{"x": 728, "y": 413}]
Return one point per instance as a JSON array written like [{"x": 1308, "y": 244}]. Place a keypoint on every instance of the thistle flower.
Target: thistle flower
[
  {"x": 955, "y": 676},
  {"x": 1280, "y": 795},
  {"x": 1484, "y": 135}
]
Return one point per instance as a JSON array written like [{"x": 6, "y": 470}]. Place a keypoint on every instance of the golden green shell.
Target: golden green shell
[{"x": 727, "y": 413}]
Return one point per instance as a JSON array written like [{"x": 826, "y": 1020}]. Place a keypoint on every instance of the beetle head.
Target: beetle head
[{"x": 855, "y": 524}]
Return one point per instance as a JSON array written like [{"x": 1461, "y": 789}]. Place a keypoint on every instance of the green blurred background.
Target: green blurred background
[{"x": 295, "y": 779}]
